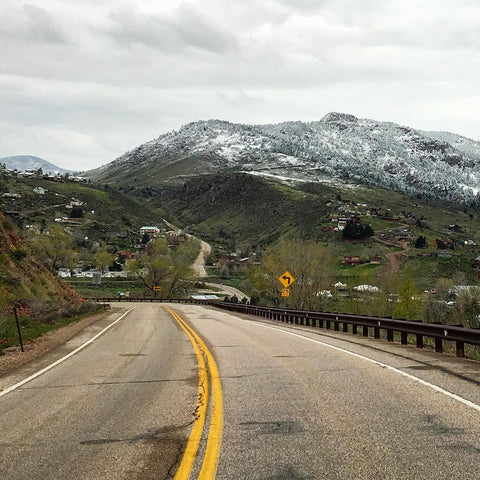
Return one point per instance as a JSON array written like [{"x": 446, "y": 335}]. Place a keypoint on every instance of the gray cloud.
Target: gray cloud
[
  {"x": 184, "y": 29},
  {"x": 83, "y": 81},
  {"x": 32, "y": 24}
]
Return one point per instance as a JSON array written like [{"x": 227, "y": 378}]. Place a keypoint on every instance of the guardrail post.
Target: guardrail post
[
  {"x": 404, "y": 338},
  {"x": 345, "y": 327},
  {"x": 460, "y": 346},
  {"x": 354, "y": 329},
  {"x": 320, "y": 323},
  {"x": 389, "y": 335},
  {"x": 336, "y": 324},
  {"x": 418, "y": 336},
  {"x": 365, "y": 331},
  {"x": 461, "y": 349},
  {"x": 327, "y": 324},
  {"x": 376, "y": 332},
  {"x": 438, "y": 341}
]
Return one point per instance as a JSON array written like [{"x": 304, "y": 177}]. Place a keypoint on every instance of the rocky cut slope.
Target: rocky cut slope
[{"x": 339, "y": 147}]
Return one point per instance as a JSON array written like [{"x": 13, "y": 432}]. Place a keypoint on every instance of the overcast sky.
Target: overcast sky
[{"x": 83, "y": 81}]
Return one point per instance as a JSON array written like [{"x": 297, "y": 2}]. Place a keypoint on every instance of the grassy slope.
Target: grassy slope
[
  {"x": 114, "y": 212},
  {"x": 229, "y": 209}
]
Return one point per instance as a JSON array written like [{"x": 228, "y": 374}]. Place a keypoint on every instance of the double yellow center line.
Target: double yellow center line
[{"x": 207, "y": 372}]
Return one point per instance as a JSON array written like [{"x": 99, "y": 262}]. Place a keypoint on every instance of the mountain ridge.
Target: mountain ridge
[
  {"x": 31, "y": 162},
  {"x": 339, "y": 147}
]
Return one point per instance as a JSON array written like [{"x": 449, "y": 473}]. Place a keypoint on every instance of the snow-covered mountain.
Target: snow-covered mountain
[
  {"x": 339, "y": 147},
  {"x": 29, "y": 162}
]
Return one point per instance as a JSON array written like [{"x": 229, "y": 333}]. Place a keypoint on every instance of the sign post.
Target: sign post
[
  {"x": 97, "y": 280},
  {"x": 18, "y": 328}
]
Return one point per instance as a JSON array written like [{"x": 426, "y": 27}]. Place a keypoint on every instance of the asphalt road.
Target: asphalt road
[
  {"x": 297, "y": 404},
  {"x": 121, "y": 408}
]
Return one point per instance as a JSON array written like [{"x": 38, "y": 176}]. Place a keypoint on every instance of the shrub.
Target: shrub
[
  {"x": 357, "y": 231},
  {"x": 18, "y": 253}
]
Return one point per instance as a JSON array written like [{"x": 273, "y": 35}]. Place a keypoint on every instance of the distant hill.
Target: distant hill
[
  {"x": 104, "y": 211},
  {"x": 338, "y": 148},
  {"x": 245, "y": 207},
  {"x": 29, "y": 162}
]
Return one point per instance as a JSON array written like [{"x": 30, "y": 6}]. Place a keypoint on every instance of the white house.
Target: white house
[
  {"x": 40, "y": 190},
  {"x": 367, "y": 288},
  {"x": 11, "y": 195}
]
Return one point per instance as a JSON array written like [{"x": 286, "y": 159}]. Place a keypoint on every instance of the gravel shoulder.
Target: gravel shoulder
[{"x": 14, "y": 358}]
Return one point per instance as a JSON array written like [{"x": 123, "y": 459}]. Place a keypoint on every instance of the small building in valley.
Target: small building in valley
[{"x": 149, "y": 230}]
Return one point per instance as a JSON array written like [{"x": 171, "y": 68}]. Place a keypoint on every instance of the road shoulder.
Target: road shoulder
[{"x": 43, "y": 350}]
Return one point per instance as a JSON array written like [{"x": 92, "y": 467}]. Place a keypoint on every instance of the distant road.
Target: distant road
[
  {"x": 227, "y": 290},
  {"x": 296, "y": 403},
  {"x": 199, "y": 263},
  {"x": 201, "y": 272}
]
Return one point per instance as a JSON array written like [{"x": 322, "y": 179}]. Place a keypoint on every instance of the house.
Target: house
[
  {"x": 11, "y": 195},
  {"x": 367, "y": 288},
  {"x": 70, "y": 221},
  {"x": 40, "y": 190},
  {"x": 444, "y": 244},
  {"x": 472, "y": 290},
  {"x": 64, "y": 273},
  {"x": 443, "y": 254},
  {"x": 351, "y": 260},
  {"x": 26, "y": 174},
  {"x": 149, "y": 230}
]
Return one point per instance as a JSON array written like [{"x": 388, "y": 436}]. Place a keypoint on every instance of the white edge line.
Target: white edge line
[
  {"x": 456, "y": 397},
  {"x": 60, "y": 360}
]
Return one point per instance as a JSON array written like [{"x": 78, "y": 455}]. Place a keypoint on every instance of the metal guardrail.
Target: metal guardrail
[
  {"x": 329, "y": 321},
  {"x": 332, "y": 321}
]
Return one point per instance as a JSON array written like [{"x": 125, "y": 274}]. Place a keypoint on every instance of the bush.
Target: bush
[
  {"x": 421, "y": 242},
  {"x": 76, "y": 213},
  {"x": 18, "y": 253},
  {"x": 357, "y": 231}
]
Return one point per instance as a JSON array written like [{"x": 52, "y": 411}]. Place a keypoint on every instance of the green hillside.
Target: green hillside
[
  {"x": 94, "y": 211},
  {"x": 234, "y": 210}
]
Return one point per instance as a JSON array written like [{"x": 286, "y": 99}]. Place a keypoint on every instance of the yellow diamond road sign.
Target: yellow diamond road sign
[{"x": 286, "y": 279}]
